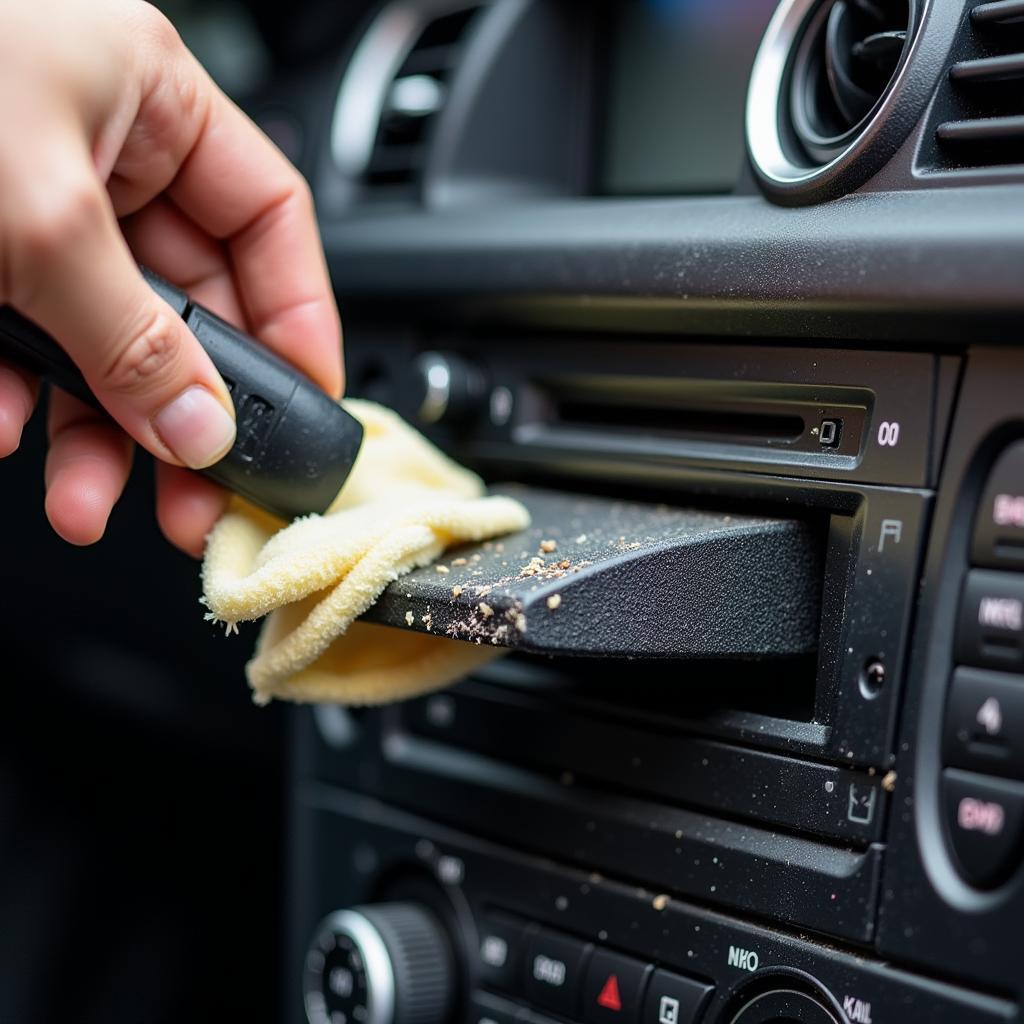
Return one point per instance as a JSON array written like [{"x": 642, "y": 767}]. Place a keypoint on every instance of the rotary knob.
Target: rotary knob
[
  {"x": 388, "y": 963},
  {"x": 446, "y": 387}
]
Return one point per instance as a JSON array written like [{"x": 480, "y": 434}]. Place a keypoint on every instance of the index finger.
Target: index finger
[{"x": 237, "y": 186}]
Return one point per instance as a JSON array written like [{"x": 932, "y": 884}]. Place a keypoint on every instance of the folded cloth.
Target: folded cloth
[{"x": 402, "y": 506}]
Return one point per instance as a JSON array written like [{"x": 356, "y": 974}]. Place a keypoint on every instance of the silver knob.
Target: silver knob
[{"x": 389, "y": 963}]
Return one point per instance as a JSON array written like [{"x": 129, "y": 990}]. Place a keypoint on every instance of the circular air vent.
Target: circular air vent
[{"x": 823, "y": 87}]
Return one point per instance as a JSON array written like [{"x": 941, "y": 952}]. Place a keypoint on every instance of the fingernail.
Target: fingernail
[{"x": 196, "y": 427}]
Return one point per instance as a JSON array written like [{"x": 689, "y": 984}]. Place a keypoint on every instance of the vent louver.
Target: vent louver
[
  {"x": 843, "y": 65},
  {"x": 982, "y": 122},
  {"x": 413, "y": 100}
]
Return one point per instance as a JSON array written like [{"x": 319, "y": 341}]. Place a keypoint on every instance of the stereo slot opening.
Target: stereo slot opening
[
  {"x": 705, "y": 414},
  {"x": 667, "y": 690},
  {"x": 710, "y": 424}
]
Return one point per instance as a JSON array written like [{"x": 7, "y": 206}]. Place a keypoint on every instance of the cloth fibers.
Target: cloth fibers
[{"x": 403, "y": 505}]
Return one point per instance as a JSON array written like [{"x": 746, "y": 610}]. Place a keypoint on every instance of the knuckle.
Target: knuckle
[
  {"x": 63, "y": 219},
  {"x": 149, "y": 357},
  {"x": 300, "y": 193},
  {"x": 158, "y": 28}
]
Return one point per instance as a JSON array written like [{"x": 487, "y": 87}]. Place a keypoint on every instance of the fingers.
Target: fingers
[
  {"x": 231, "y": 181},
  {"x": 18, "y": 393},
  {"x": 165, "y": 240},
  {"x": 87, "y": 467},
  {"x": 72, "y": 273},
  {"x": 238, "y": 187},
  {"x": 187, "y": 506}
]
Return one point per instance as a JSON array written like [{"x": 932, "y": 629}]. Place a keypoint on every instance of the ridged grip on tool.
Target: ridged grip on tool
[{"x": 421, "y": 959}]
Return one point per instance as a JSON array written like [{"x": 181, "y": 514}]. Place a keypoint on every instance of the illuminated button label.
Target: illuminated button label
[
  {"x": 982, "y": 816},
  {"x": 494, "y": 951},
  {"x": 549, "y": 971},
  {"x": 1008, "y": 510},
  {"x": 1001, "y": 613}
]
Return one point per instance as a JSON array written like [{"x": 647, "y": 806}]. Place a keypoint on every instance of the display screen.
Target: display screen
[{"x": 676, "y": 92}]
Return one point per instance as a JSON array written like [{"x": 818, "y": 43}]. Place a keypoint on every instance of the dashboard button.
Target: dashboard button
[
  {"x": 985, "y": 818},
  {"x": 991, "y": 628},
  {"x": 985, "y": 722},
  {"x": 500, "y": 953},
  {"x": 485, "y": 1008},
  {"x": 555, "y": 965},
  {"x": 999, "y": 528},
  {"x": 673, "y": 999},
  {"x": 614, "y": 989}
]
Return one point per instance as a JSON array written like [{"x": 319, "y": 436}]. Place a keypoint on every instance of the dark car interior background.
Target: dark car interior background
[{"x": 739, "y": 257}]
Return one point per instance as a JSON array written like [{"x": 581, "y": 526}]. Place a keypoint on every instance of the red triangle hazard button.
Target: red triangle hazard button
[{"x": 609, "y": 997}]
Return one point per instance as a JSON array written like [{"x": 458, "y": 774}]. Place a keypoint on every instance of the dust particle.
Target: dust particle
[
  {"x": 521, "y": 622},
  {"x": 889, "y": 782},
  {"x": 554, "y": 601},
  {"x": 459, "y": 561},
  {"x": 564, "y": 563},
  {"x": 442, "y": 569},
  {"x": 456, "y": 591},
  {"x": 428, "y": 621},
  {"x": 660, "y": 902},
  {"x": 409, "y": 618},
  {"x": 581, "y": 539},
  {"x": 548, "y": 546},
  {"x": 485, "y": 609}
]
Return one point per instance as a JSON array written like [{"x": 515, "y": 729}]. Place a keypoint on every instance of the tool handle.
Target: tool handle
[{"x": 295, "y": 445}]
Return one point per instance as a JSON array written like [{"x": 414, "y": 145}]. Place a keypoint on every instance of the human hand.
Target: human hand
[{"x": 117, "y": 147}]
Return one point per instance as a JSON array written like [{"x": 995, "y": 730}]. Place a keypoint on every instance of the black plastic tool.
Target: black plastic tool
[{"x": 295, "y": 445}]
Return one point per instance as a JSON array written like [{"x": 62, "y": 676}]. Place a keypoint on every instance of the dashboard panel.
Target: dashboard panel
[
  {"x": 719, "y": 260},
  {"x": 732, "y": 290}
]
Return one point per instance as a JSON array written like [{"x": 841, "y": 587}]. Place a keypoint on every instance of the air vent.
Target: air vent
[
  {"x": 394, "y": 88},
  {"x": 414, "y": 99},
  {"x": 824, "y": 85},
  {"x": 843, "y": 65},
  {"x": 982, "y": 120}
]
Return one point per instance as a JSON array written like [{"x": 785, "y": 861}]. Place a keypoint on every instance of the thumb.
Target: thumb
[{"x": 76, "y": 278}]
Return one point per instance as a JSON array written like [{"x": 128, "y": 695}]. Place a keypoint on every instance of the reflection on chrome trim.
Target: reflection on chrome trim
[
  {"x": 368, "y": 78},
  {"x": 765, "y": 99}
]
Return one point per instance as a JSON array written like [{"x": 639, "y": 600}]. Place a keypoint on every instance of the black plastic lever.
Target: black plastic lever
[
  {"x": 295, "y": 445},
  {"x": 596, "y": 577}
]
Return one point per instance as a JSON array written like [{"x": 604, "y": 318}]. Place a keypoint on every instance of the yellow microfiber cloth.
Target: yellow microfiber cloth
[{"x": 402, "y": 506}]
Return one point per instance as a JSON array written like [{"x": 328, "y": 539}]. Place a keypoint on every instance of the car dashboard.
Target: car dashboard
[
  {"x": 748, "y": 259},
  {"x": 729, "y": 293}
]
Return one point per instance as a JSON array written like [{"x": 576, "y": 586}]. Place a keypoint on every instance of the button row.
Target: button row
[
  {"x": 984, "y": 730},
  {"x": 578, "y": 981}
]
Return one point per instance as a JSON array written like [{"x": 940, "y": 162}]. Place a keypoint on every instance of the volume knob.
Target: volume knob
[{"x": 389, "y": 963}]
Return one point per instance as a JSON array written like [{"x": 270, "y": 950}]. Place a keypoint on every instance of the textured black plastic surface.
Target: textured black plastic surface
[
  {"x": 936, "y": 266},
  {"x": 295, "y": 446},
  {"x": 598, "y": 577}
]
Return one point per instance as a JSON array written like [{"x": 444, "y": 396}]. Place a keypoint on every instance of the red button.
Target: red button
[
  {"x": 614, "y": 989},
  {"x": 609, "y": 997}
]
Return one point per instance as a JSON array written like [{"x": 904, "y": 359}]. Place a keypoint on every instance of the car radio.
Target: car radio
[{"x": 754, "y": 751}]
